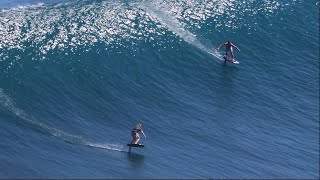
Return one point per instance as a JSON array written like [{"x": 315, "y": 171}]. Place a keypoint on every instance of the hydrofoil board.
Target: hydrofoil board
[{"x": 136, "y": 145}]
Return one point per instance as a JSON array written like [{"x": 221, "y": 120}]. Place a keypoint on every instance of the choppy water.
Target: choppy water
[{"x": 76, "y": 76}]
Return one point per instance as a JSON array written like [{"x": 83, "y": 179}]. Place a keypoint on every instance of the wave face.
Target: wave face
[{"x": 76, "y": 76}]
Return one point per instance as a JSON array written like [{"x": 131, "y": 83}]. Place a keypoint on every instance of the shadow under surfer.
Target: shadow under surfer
[
  {"x": 135, "y": 134},
  {"x": 229, "y": 48}
]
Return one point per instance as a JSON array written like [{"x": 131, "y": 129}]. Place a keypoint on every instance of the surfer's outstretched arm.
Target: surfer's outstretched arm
[
  {"x": 143, "y": 134},
  {"x": 222, "y": 45},
  {"x": 236, "y": 47}
]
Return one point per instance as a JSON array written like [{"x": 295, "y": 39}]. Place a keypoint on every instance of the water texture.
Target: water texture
[{"x": 76, "y": 76}]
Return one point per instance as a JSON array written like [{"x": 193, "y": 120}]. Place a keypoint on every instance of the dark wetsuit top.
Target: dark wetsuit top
[{"x": 135, "y": 131}]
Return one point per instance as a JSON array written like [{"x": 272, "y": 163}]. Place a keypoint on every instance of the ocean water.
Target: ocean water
[{"x": 77, "y": 75}]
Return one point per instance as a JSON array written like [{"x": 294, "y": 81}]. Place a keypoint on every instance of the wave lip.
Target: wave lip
[{"x": 66, "y": 27}]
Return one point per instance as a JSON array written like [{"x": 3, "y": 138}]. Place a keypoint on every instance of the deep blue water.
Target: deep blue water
[{"x": 76, "y": 76}]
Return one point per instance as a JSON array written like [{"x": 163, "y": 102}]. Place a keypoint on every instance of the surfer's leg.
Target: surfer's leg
[
  {"x": 134, "y": 138},
  {"x": 232, "y": 55},
  {"x": 131, "y": 142},
  {"x": 137, "y": 139}
]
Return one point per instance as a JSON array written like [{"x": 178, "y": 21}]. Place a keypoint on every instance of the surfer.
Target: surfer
[
  {"x": 229, "y": 46},
  {"x": 135, "y": 134}
]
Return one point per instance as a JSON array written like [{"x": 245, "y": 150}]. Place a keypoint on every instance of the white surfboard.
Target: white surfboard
[{"x": 230, "y": 60}]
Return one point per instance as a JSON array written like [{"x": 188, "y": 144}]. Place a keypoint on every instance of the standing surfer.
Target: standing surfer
[
  {"x": 135, "y": 134},
  {"x": 229, "y": 46}
]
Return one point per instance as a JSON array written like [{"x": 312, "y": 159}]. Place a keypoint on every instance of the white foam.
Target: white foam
[
  {"x": 114, "y": 147},
  {"x": 177, "y": 27},
  {"x": 44, "y": 28}
]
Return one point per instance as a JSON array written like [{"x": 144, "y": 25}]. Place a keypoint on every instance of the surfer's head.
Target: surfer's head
[
  {"x": 229, "y": 42},
  {"x": 138, "y": 126}
]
